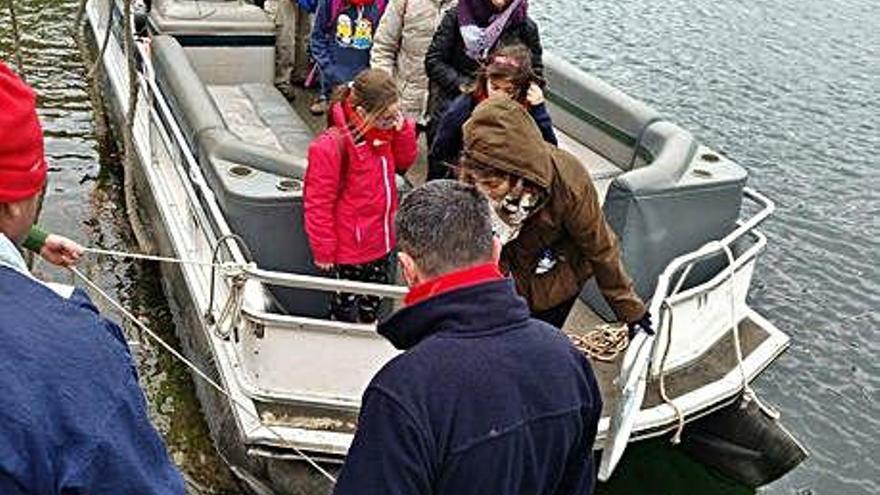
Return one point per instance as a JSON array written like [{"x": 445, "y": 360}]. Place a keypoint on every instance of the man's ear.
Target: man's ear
[
  {"x": 411, "y": 272},
  {"x": 496, "y": 249}
]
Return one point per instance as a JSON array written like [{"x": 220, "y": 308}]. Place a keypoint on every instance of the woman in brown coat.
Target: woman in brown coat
[{"x": 547, "y": 215}]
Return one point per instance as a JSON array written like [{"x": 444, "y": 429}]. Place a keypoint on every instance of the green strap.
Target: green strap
[{"x": 35, "y": 240}]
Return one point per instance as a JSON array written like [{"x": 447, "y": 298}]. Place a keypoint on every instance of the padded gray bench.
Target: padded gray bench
[
  {"x": 258, "y": 113},
  {"x": 251, "y": 146}
]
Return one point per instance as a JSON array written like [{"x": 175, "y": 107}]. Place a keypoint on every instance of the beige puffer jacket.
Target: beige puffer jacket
[{"x": 399, "y": 47}]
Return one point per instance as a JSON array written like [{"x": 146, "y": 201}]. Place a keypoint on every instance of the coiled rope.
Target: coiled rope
[
  {"x": 603, "y": 343},
  {"x": 180, "y": 357}
]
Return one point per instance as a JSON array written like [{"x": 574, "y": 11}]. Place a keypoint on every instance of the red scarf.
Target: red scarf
[
  {"x": 370, "y": 134},
  {"x": 460, "y": 279},
  {"x": 361, "y": 3}
]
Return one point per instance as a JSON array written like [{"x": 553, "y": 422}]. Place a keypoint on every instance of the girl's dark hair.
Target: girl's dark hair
[
  {"x": 511, "y": 62},
  {"x": 372, "y": 89}
]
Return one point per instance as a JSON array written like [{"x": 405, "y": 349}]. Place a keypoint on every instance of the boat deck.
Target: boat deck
[{"x": 711, "y": 367}]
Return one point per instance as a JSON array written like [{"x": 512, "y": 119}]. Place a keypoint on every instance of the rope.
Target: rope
[
  {"x": 679, "y": 415},
  {"x": 604, "y": 343},
  {"x": 98, "y": 64},
  {"x": 151, "y": 257},
  {"x": 748, "y": 392},
  {"x": 137, "y": 227},
  {"x": 201, "y": 374},
  {"x": 16, "y": 40}
]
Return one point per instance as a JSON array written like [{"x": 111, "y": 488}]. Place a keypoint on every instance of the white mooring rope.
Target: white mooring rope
[
  {"x": 174, "y": 352},
  {"x": 150, "y": 257}
]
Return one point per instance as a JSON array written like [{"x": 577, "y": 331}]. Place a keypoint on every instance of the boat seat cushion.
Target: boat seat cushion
[{"x": 259, "y": 114}]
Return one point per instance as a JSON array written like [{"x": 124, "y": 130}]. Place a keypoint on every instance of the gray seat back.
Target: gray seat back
[
  {"x": 686, "y": 197},
  {"x": 596, "y": 114},
  {"x": 259, "y": 189},
  {"x": 669, "y": 200}
]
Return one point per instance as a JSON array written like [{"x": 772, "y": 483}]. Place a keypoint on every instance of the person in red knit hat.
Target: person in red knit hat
[
  {"x": 23, "y": 174},
  {"x": 73, "y": 418}
]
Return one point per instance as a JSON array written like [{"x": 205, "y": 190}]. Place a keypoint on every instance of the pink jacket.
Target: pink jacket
[{"x": 350, "y": 193}]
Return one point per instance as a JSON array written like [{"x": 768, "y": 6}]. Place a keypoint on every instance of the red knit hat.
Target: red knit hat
[{"x": 22, "y": 163}]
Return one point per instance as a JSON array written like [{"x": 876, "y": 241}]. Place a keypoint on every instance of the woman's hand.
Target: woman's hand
[
  {"x": 324, "y": 266},
  {"x": 61, "y": 251},
  {"x": 535, "y": 96}
]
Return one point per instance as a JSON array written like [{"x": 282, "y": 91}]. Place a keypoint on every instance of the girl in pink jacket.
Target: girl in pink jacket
[{"x": 350, "y": 193}]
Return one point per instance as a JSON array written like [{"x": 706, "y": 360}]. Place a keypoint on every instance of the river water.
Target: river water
[{"x": 791, "y": 90}]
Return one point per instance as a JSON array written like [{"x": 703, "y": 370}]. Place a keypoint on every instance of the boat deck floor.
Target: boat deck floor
[{"x": 711, "y": 367}]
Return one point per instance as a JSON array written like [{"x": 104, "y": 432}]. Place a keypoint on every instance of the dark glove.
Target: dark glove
[{"x": 643, "y": 324}]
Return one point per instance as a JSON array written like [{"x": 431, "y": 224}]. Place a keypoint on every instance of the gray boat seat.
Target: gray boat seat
[
  {"x": 662, "y": 197},
  {"x": 601, "y": 170},
  {"x": 258, "y": 113},
  {"x": 684, "y": 198},
  {"x": 251, "y": 147}
]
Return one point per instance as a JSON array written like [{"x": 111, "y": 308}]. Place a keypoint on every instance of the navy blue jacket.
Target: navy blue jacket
[
  {"x": 448, "y": 140},
  {"x": 341, "y": 46},
  {"x": 485, "y": 401},
  {"x": 73, "y": 419}
]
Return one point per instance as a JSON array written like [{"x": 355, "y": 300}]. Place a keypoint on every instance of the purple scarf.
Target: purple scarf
[{"x": 481, "y": 26}]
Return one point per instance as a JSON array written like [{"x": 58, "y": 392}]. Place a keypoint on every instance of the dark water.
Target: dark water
[{"x": 789, "y": 89}]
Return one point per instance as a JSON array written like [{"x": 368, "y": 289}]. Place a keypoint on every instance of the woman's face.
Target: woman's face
[
  {"x": 495, "y": 186},
  {"x": 499, "y": 86},
  {"x": 500, "y": 4}
]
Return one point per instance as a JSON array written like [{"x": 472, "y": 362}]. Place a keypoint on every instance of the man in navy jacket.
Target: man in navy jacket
[
  {"x": 485, "y": 400},
  {"x": 72, "y": 417}
]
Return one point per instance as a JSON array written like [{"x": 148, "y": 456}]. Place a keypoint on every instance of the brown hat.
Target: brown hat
[{"x": 501, "y": 134}]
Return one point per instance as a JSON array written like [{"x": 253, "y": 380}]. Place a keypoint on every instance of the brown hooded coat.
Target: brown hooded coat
[{"x": 501, "y": 134}]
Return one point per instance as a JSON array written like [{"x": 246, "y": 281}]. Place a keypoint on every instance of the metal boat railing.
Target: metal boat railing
[{"x": 641, "y": 353}]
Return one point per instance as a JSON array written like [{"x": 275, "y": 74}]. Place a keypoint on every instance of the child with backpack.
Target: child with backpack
[
  {"x": 341, "y": 39},
  {"x": 350, "y": 191}
]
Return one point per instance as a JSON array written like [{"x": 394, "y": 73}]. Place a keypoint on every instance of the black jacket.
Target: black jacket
[
  {"x": 449, "y": 68},
  {"x": 485, "y": 400},
  {"x": 447, "y": 144}
]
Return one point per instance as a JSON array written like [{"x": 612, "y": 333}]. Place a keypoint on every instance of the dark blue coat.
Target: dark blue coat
[
  {"x": 342, "y": 53},
  {"x": 447, "y": 143},
  {"x": 484, "y": 401},
  {"x": 72, "y": 417}
]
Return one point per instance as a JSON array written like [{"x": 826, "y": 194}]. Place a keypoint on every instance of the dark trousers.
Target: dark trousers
[
  {"x": 358, "y": 308},
  {"x": 556, "y": 315},
  {"x": 437, "y": 169}
]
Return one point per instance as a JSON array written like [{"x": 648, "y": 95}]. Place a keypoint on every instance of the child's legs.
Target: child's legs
[
  {"x": 354, "y": 307},
  {"x": 377, "y": 272}
]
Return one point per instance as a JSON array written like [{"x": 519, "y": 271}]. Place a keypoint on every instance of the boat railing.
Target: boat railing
[{"x": 671, "y": 282}]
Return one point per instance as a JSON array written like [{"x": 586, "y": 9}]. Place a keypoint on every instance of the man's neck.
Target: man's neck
[
  {"x": 10, "y": 256},
  {"x": 454, "y": 280}
]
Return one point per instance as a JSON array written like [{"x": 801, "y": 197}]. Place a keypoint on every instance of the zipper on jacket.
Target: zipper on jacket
[{"x": 387, "y": 205}]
